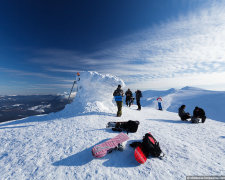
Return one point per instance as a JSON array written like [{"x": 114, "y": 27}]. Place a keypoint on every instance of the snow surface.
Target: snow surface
[
  {"x": 39, "y": 108},
  {"x": 58, "y": 145},
  {"x": 17, "y": 105}
]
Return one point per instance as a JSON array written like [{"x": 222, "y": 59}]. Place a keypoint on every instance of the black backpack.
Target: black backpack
[
  {"x": 131, "y": 126},
  {"x": 151, "y": 146},
  {"x": 118, "y": 92}
]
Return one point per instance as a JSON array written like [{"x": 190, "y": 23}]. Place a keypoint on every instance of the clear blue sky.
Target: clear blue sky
[{"x": 150, "y": 44}]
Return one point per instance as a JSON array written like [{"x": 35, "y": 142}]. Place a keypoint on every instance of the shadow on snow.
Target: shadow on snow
[
  {"x": 114, "y": 159},
  {"x": 50, "y": 117},
  {"x": 78, "y": 159},
  {"x": 171, "y": 121}
]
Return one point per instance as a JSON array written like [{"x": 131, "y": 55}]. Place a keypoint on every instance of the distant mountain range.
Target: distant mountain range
[{"x": 17, "y": 107}]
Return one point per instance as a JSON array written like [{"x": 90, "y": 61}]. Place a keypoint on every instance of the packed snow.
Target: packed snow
[{"x": 58, "y": 145}]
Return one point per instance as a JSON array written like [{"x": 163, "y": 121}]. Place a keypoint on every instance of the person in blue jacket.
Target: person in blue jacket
[{"x": 118, "y": 95}]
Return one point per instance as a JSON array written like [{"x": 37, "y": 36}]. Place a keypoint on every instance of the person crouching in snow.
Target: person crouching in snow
[
  {"x": 118, "y": 95},
  {"x": 198, "y": 113},
  {"x": 183, "y": 115}
]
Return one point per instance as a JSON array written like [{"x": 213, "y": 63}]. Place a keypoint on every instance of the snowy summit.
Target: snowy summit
[{"x": 58, "y": 145}]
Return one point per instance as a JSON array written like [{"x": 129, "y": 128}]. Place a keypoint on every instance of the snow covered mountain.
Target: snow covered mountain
[
  {"x": 211, "y": 101},
  {"x": 58, "y": 145}
]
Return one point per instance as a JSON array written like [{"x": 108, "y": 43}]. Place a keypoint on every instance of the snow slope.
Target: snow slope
[
  {"x": 58, "y": 145},
  {"x": 211, "y": 101}
]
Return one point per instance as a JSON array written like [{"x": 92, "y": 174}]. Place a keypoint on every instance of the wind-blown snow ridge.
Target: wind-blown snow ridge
[{"x": 95, "y": 93}]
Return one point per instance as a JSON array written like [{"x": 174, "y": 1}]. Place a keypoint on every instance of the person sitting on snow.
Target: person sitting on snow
[
  {"x": 198, "y": 113},
  {"x": 183, "y": 115}
]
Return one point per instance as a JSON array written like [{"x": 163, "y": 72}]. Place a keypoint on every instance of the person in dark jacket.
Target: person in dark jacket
[
  {"x": 138, "y": 97},
  {"x": 129, "y": 97},
  {"x": 183, "y": 115},
  {"x": 198, "y": 113},
  {"x": 118, "y": 95}
]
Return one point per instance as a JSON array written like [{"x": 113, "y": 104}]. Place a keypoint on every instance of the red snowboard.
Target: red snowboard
[{"x": 102, "y": 149}]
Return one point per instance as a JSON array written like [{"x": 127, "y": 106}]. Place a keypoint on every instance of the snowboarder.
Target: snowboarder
[
  {"x": 129, "y": 97},
  {"x": 159, "y": 99},
  {"x": 198, "y": 113},
  {"x": 138, "y": 97},
  {"x": 118, "y": 95},
  {"x": 183, "y": 115}
]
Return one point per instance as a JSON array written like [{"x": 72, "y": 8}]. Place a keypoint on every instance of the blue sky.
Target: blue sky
[{"x": 150, "y": 44}]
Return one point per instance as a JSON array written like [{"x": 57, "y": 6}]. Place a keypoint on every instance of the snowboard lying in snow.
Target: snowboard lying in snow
[
  {"x": 104, "y": 148},
  {"x": 129, "y": 126}
]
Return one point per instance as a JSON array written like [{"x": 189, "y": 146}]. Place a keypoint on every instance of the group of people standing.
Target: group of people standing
[
  {"x": 118, "y": 95},
  {"x": 198, "y": 114}
]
